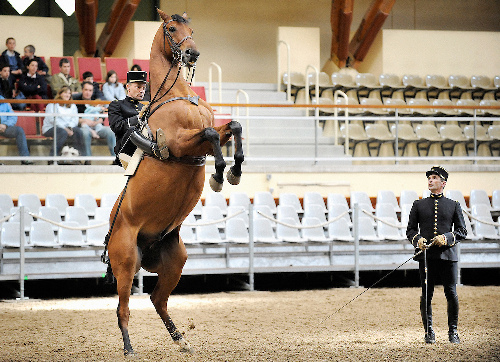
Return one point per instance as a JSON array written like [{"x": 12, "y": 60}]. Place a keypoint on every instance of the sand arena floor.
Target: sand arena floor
[{"x": 381, "y": 325}]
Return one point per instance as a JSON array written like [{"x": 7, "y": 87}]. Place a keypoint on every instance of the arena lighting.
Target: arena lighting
[
  {"x": 21, "y": 5},
  {"x": 68, "y": 6}
]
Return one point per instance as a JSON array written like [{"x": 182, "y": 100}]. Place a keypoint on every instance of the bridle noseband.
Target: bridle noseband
[{"x": 175, "y": 47}]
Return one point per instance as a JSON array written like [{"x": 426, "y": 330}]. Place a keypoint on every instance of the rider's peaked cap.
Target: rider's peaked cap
[
  {"x": 137, "y": 76},
  {"x": 438, "y": 170}
]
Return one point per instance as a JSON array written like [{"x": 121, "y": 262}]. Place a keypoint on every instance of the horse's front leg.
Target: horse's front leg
[
  {"x": 213, "y": 137},
  {"x": 234, "y": 173}
]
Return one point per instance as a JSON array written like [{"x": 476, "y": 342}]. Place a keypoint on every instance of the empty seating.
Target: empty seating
[
  {"x": 429, "y": 136},
  {"x": 95, "y": 235},
  {"x": 453, "y": 136},
  {"x": 314, "y": 198},
  {"x": 28, "y": 219},
  {"x": 52, "y": 214},
  {"x": 479, "y": 197},
  {"x": 405, "y": 135},
  {"x": 6, "y": 204},
  {"x": 297, "y": 82},
  {"x": 42, "y": 234},
  {"x": 366, "y": 229},
  {"x": 58, "y": 201},
  {"x": 287, "y": 211},
  {"x": 495, "y": 200},
  {"x": 489, "y": 112},
  {"x": 481, "y": 137},
  {"x": 263, "y": 231},
  {"x": 445, "y": 111},
  {"x": 260, "y": 210},
  {"x": 483, "y": 230},
  {"x": 339, "y": 231},
  {"x": 210, "y": 213},
  {"x": 401, "y": 109},
  {"x": 388, "y": 197},
  {"x": 338, "y": 209},
  {"x": 10, "y": 235},
  {"x": 435, "y": 84},
  {"x": 216, "y": 199},
  {"x": 466, "y": 103},
  {"x": 87, "y": 202},
  {"x": 357, "y": 135},
  {"x": 108, "y": 200},
  {"x": 289, "y": 234},
  {"x": 388, "y": 232},
  {"x": 77, "y": 214},
  {"x": 31, "y": 201},
  {"x": 313, "y": 233},
  {"x": 239, "y": 199},
  {"x": 316, "y": 211},
  {"x": 187, "y": 235},
  {"x": 336, "y": 198},
  {"x": 207, "y": 233},
  {"x": 236, "y": 231},
  {"x": 70, "y": 237},
  {"x": 457, "y": 196},
  {"x": 102, "y": 213},
  {"x": 265, "y": 198},
  {"x": 420, "y": 107},
  {"x": 361, "y": 197},
  {"x": 292, "y": 200},
  {"x": 243, "y": 214},
  {"x": 407, "y": 197},
  {"x": 378, "y": 135}
]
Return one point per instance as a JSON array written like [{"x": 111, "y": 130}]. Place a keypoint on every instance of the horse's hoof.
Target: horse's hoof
[
  {"x": 184, "y": 346},
  {"x": 215, "y": 185},
  {"x": 129, "y": 353},
  {"x": 233, "y": 180}
]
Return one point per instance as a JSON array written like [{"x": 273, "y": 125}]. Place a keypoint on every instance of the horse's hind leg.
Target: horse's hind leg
[
  {"x": 124, "y": 261},
  {"x": 217, "y": 179},
  {"x": 234, "y": 173},
  {"x": 172, "y": 259}
]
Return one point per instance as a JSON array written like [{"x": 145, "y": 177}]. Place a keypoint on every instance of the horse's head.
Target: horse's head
[{"x": 178, "y": 35}]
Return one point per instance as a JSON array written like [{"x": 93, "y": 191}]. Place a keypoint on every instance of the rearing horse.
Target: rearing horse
[{"x": 146, "y": 218}]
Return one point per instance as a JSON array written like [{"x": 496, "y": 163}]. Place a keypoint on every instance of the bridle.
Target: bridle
[{"x": 177, "y": 61}]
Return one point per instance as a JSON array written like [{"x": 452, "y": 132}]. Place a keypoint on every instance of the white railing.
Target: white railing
[
  {"x": 278, "y": 83},
  {"x": 219, "y": 80},
  {"x": 247, "y": 123}
]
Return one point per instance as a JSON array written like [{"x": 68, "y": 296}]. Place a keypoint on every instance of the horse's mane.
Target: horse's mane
[{"x": 178, "y": 18}]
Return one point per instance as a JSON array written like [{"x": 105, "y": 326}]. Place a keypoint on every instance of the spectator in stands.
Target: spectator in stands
[
  {"x": 29, "y": 54},
  {"x": 64, "y": 78},
  {"x": 66, "y": 124},
  {"x": 436, "y": 224},
  {"x": 93, "y": 127},
  {"x": 89, "y": 77},
  {"x": 12, "y": 58},
  {"x": 8, "y": 88},
  {"x": 34, "y": 86},
  {"x": 113, "y": 89},
  {"x": 9, "y": 129}
]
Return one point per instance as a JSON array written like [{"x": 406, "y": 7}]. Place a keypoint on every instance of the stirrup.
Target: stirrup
[{"x": 161, "y": 141}]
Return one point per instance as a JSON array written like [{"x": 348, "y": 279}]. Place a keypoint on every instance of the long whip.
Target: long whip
[{"x": 371, "y": 286}]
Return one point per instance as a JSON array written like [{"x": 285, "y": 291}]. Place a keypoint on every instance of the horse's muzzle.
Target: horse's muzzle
[{"x": 190, "y": 56}]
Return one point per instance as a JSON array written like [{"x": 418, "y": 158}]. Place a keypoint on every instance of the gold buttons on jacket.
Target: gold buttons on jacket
[{"x": 435, "y": 216}]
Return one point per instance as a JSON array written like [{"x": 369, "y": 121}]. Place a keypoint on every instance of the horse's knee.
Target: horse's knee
[{"x": 236, "y": 127}]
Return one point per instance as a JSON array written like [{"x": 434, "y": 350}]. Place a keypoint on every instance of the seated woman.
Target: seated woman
[
  {"x": 65, "y": 124},
  {"x": 112, "y": 89}
]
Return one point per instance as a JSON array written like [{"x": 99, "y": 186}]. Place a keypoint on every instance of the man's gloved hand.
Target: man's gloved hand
[
  {"x": 133, "y": 121},
  {"x": 422, "y": 244},
  {"x": 440, "y": 240}
]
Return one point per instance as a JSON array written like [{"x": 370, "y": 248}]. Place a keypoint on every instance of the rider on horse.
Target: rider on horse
[{"x": 124, "y": 120}]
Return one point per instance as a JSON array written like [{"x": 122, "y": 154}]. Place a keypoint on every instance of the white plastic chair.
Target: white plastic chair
[
  {"x": 77, "y": 214},
  {"x": 216, "y": 199},
  {"x": 28, "y": 219},
  {"x": 366, "y": 229},
  {"x": 361, "y": 197},
  {"x": 70, "y": 237},
  {"x": 42, "y": 234},
  {"x": 386, "y": 210},
  {"x": 231, "y": 210},
  {"x": 388, "y": 196},
  {"x": 87, "y": 202},
  {"x": 108, "y": 200},
  {"x": 314, "y": 210},
  {"x": 287, "y": 233},
  {"x": 9, "y": 236},
  {"x": 265, "y": 198},
  {"x": 457, "y": 196},
  {"x": 495, "y": 200},
  {"x": 236, "y": 231},
  {"x": 197, "y": 208},
  {"x": 103, "y": 213},
  {"x": 315, "y": 198},
  {"x": 387, "y": 232},
  {"x": 338, "y": 209},
  {"x": 287, "y": 211},
  {"x": 292, "y": 200},
  {"x": 208, "y": 233},
  {"x": 407, "y": 197},
  {"x": 52, "y": 214},
  {"x": 479, "y": 197},
  {"x": 6, "y": 204},
  {"x": 209, "y": 213},
  {"x": 335, "y": 198},
  {"x": 482, "y": 212},
  {"x": 339, "y": 231},
  {"x": 405, "y": 216},
  {"x": 187, "y": 235},
  {"x": 58, "y": 201},
  {"x": 263, "y": 209},
  {"x": 313, "y": 234},
  {"x": 471, "y": 235},
  {"x": 263, "y": 231},
  {"x": 30, "y": 201},
  {"x": 96, "y": 236},
  {"x": 239, "y": 199}
]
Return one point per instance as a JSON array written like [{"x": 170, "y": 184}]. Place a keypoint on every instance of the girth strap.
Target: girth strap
[{"x": 186, "y": 160}]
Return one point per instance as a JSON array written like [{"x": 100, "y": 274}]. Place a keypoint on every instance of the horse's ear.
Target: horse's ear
[
  {"x": 162, "y": 14},
  {"x": 185, "y": 16}
]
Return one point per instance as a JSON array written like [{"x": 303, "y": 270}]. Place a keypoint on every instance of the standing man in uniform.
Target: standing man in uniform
[
  {"x": 436, "y": 224},
  {"x": 123, "y": 119}
]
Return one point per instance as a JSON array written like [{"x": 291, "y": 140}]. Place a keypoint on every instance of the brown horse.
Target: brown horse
[{"x": 146, "y": 219}]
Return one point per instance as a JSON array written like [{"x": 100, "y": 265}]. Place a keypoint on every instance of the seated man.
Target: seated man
[
  {"x": 89, "y": 77},
  {"x": 93, "y": 127},
  {"x": 64, "y": 78},
  {"x": 34, "y": 86},
  {"x": 9, "y": 129},
  {"x": 29, "y": 54},
  {"x": 8, "y": 89},
  {"x": 12, "y": 58}
]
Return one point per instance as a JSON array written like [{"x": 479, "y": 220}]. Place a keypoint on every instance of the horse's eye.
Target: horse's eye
[{"x": 172, "y": 29}]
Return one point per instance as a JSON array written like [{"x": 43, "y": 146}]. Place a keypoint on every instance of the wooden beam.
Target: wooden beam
[
  {"x": 121, "y": 13},
  {"x": 371, "y": 24},
  {"x": 86, "y": 15},
  {"x": 341, "y": 19}
]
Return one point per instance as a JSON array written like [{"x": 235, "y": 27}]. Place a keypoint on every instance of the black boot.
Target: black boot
[
  {"x": 430, "y": 336},
  {"x": 453, "y": 321}
]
